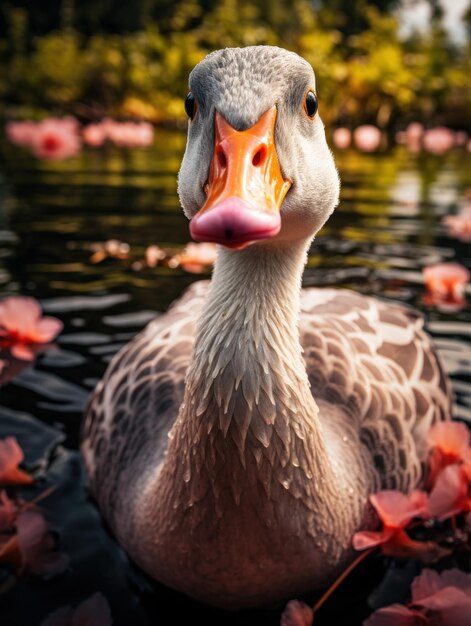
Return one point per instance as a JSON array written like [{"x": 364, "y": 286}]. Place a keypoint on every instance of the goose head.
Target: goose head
[{"x": 257, "y": 168}]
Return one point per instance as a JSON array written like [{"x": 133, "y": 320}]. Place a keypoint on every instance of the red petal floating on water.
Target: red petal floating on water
[
  {"x": 396, "y": 509},
  {"x": 8, "y": 512},
  {"x": 36, "y": 544},
  {"x": 95, "y": 611},
  {"x": 446, "y": 281},
  {"x": 449, "y": 495},
  {"x": 22, "y": 326},
  {"x": 450, "y": 444},
  {"x": 297, "y": 613},
  {"x": 11, "y": 455},
  {"x": 396, "y": 615}
]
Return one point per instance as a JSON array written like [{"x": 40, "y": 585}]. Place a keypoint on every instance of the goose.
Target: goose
[{"x": 233, "y": 444}]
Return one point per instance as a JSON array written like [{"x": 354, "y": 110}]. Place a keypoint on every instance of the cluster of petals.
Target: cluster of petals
[
  {"x": 51, "y": 139},
  {"x": 26, "y": 541},
  {"x": 32, "y": 546},
  {"x": 94, "y": 611},
  {"x": 437, "y": 600},
  {"x": 123, "y": 134},
  {"x": 396, "y": 511},
  {"x": 23, "y": 328},
  {"x": 446, "y": 282},
  {"x": 448, "y": 481},
  {"x": 195, "y": 257}
]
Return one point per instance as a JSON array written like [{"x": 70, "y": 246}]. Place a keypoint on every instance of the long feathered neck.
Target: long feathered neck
[
  {"x": 247, "y": 366},
  {"x": 248, "y": 421}
]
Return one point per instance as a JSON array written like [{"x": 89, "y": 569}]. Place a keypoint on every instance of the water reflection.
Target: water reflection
[{"x": 387, "y": 227}]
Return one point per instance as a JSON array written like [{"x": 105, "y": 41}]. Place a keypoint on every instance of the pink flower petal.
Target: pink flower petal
[
  {"x": 11, "y": 455},
  {"x": 451, "y": 605},
  {"x": 21, "y": 324},
  {"x": 36, "y": 544},
  {"x": 452, "y": 438},
  {"x": 47, "y": 329},
  {"x": 19, "y": 313},
  {"x": 396, "y": 509},
  {"x": 396, "y": 615},
  {"x": 95, "y": 611},
  {"x": 8, "y": 512},
  {"x": 22, "y": 351},
  {"x": 449, "y": 494},
  {"x": 365, "y": 539},
  {"x": 297, "y": 613},
  {"x": 430, "y": 582}
]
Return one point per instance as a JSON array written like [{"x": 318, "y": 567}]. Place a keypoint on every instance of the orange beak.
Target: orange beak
[{"x": 245, "y": 187}]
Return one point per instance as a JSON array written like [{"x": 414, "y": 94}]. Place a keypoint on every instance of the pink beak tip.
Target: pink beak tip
[{"x": 233, "y": 222}]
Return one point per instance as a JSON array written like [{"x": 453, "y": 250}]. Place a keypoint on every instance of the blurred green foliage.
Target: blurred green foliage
[{"x": 132, "y": 59}]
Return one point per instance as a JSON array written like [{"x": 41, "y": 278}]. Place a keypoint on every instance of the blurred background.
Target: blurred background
[
  {"x": 385, "y": 62},
  {"x": 92, "y": 132}
]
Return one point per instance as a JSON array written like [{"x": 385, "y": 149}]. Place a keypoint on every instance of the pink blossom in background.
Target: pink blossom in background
[
  {"x": 95, "y": 611},
  {"x": 367, "y": 138},
  {"x": 342, "y": 138},
  {"x": 461, "y": 138},
  {"x": 56, "y": 139},
  {"x": 11, "y": 455},
  {"x": 130, "y": 134},
  {"x": 438, "y": 140},
  {"x": 413, "y": 136},
  {"x": 94, "y": 135},
  {"x": 20, "y": 133},
  {"x": 437, "y": 600},
  {"x": 459, "y": 226},
  {"x": 446, "y": 281},
  {"x": 22, "y": 326},
  {"x": 297, "y": 613}
]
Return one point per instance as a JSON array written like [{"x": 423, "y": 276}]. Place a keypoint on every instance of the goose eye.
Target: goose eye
[
  {"x": 190, "y": 105},
  {"x": 311, "y": 104}
]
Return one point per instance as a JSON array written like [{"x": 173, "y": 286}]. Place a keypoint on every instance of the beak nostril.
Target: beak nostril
[
  {"x": 221, "y": 157},
  {"x": 259, "y": 156}
]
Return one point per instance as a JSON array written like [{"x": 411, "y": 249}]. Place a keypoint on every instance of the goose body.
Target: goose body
[{"x": 233, "y": 444}]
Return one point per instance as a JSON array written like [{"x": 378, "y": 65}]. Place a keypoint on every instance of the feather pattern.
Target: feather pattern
[{"x": 233, "y": 444}]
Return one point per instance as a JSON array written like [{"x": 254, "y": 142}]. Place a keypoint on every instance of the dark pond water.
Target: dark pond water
[{"x": 386, "y": 229}]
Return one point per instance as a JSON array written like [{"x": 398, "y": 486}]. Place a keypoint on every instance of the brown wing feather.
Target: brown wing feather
[
  {"x": 375, "y": 360},
  {"x": 134, "y": 406},
  {"x": 372, "y": 358}
]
